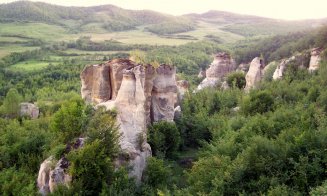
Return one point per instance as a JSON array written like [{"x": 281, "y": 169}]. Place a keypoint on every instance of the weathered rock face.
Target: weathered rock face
[
  {"x": 164, "y": 94},
  {"x": 116, "y": 73},
  {"x": 141, "y": 94},
  {"x": 30, "y": 110},
  {"x": 130, "y": 104},
  {"x": 243, "y": 67},
  {"x": 95, "y": 83},
  {"x": 300, "y": 61},
  {"x": 255, "y": 73},
  {"x": 219, "y": 68},
  {"x": 52, "y": 174},
  {"x": 182, "y": 88},
  {"x": 315, "y": 59},
  {"x": 279, "y": 72},
  {"x": 59, "y": 174},
  {"x": 202, "y": 74},
  {"x": 44, "y": 176}
]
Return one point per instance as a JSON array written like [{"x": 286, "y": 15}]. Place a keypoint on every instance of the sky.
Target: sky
[{"x": 279, "y": 9}]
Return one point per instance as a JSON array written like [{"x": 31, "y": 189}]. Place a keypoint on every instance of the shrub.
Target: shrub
[
  {"x": 156, "y": 173},
  {"x": 90, "y": 168},
  {"x": 236, "y": 79},
  {"x": 258, "y": 102},
  {"x": 164, "y": 138},
  {"x": 68, "y": 121}
]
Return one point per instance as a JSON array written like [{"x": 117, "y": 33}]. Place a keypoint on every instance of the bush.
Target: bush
[
  {"x": 258, "y": 102},
  {"x": 236, "y": 79},
  {"x": 69, "y": 120},
  {"x": 156, "y": 174},
  {"x": 102, "y": 127},
  {"x": 164, "y": 139},
  {"x": 90, "y": 168}
]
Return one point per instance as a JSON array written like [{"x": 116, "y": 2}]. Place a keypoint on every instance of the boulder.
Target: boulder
[
  {"x": 30, "y": 110},
  {"x": 222, "y": 65},
  {"x": 255, "y": 73},
  {"x": 315, "y": 59}
]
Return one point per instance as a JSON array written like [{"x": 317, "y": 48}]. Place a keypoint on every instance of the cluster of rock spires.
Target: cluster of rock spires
[
  {"x": 223, "y": 64},
  {"x": 141, "y": 94}
]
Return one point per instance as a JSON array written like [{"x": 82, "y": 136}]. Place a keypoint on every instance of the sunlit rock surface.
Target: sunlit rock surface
[
  {"x": 255, "y": 73},
  {"x": 219, "y": 68}
]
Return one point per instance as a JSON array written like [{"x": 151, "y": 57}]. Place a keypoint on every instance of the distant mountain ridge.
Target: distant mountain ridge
[{"x": 113, "y": 18}]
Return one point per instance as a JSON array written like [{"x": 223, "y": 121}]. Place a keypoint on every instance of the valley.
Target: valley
[{"x": 109, "y": 101}]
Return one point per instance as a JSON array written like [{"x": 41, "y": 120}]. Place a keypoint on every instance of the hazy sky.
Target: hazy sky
[{"x": 282, "y": 9}]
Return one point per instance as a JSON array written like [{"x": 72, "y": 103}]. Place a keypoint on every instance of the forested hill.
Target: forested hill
[
  {"x": 113, "y": 18},
  {"x": 54, "y": 14}
]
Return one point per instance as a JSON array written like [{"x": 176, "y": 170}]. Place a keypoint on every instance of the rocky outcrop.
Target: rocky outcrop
[
  {"x": 255, "y": 73},
  {"x": 164, "y": 94},
  {"x": 279, "y": 71},
  {"x": 315, "y": 59},
  {"x": 177, "y": 112},
  {"x": 30, "y": 110},
  {"x": 95, "y": 83},
  {"x": 182, "y": 88},
  {"x": 243, "y": 68},
  {"x": 43, "y": 178},
  {"x": 130, "y": 104},
  {"x": 141, "y": 95},
  {"x": 202, "y": 74},
  {"x": 298, "y": 61},
  {"x": 53, "y": 173},
  {"x": 219, "y": 68},
  {"x": 59, "y": 174}
]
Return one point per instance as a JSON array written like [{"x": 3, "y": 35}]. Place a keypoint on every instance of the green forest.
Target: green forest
[{"x": 270, "y": 141}]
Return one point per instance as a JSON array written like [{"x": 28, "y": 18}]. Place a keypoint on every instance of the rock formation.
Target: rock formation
[
  {"x": 130, "y": 104},
  {"x": 202, "y": 74},
  {"x": 255, "y": 73},
  {"x": 315, "y": 59},
  {"x": 96, "y": 84},
  {"x": 300, "y": 61},
  {"x": 182, "y": 88},
  {"x": 243, "y": 68},
  {"x": 219, "y": 68},
  {"x": 164, "y": 94},
  {"x": 141, "y": 94},
  {"x": 279, "y": 71},
  {"x": 52, "y": 174},
  {"x": 30, "y": 110}
]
